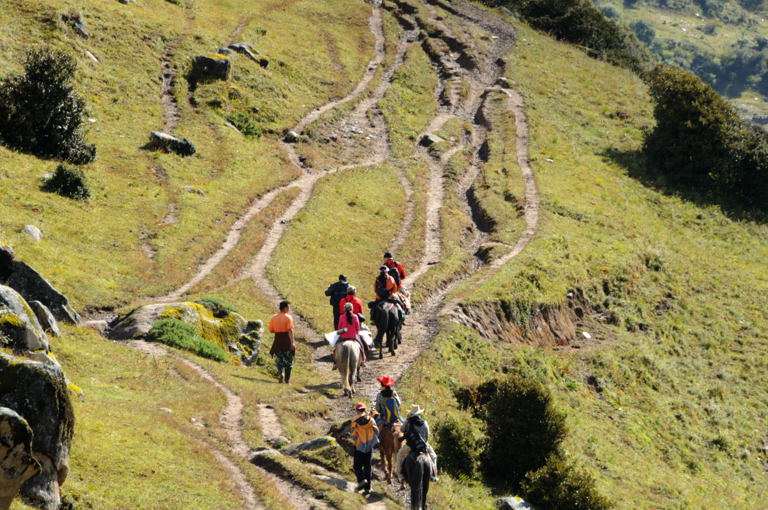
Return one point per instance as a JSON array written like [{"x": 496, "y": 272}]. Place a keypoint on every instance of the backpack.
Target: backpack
[
  {"x": 394, "y": 272},
  {"x": 381, "y": 290},
  {"x": 414, "y": 441}
]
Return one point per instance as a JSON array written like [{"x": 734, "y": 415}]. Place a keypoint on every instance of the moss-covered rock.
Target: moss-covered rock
[
  {"x": 38, "y": 392},
  {"x": 17, "y": 464},
  {"x": 214, "y": 323},
  {"x": 19, "y": 327}
]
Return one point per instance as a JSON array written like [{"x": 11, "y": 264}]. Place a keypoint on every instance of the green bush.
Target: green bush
[
  {"x": 559, "y": 486},
  {"x": 458, "y": 447},
  {"x": 523, "y": 427},
  {"x": 643, "y": 31},
  {"x": 217, "y": 306},
  {"x": 39, "y": 111},
  {"x": 580, "y": 22},
  {"x": 68, "y": 182},
  {"x": 177, "y": 333},
  {"x": 245, "y": 125},
  {"x": 700, "y": 143}
]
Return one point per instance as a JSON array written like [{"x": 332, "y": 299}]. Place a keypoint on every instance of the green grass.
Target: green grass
[
  {"x": 345, "y": 228},
  {"x": 177, "y": 333}
]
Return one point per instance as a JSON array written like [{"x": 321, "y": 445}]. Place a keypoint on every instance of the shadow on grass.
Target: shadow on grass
[{"x": 637, "y": 167}]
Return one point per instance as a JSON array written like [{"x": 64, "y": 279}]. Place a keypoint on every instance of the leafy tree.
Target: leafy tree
[
  {"x": 700, "y": 143},
  {"x": 560, "y": 486},
  {"x": 39, "y": 111},
  {"x": 643, "y": 31}
]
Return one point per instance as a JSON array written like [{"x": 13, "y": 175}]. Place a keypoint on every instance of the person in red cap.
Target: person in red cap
[
  {"x": 366, "y": 436},
  {"x": 387, "y": 403}
]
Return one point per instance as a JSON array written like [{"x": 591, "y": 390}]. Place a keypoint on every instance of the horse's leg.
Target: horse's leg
[
  {"x": 352, "y": 368},
  {"x": 425, "y": 485}
]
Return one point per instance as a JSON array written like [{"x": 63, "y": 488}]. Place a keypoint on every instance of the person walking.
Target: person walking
[
  {"x": 284, "y": 346},
  {"x": 336, "y": 292},
  {"x": 366, "y": 436}
]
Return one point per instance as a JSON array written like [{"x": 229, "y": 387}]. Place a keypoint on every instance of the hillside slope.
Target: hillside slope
[{"x": 523, "y": 222}]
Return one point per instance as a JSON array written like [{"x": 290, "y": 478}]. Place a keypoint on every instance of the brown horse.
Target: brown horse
[{"x": 389, "y": 444}]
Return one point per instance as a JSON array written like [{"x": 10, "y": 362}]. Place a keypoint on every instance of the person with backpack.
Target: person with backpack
[
  {"x": 366, "y": 436},
  {"x": 387, "y": 403},
  {"x": 416, "y": 437},
  {"x": 336, "y": 292},
  {"x": 395, "y": 269}
]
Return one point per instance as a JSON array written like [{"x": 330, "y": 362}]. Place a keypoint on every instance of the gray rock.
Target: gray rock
[
  {"x": 101, "y": 326},
  {"x": 218, "y": 325},
  {"x": 503, "y": 83},
  {"x": 45, "y": 318},
  {"x": 33, "y": 232},
  {"x": 513, "y": 503},
  {"x": 429, "y": 140},
  {"x": 17, "y": 464},
  {"x": 38, "y": 393},
  {"x": 33, "y": 287},
  {"x": 313, "y": 444},
  {"x": 46, "y": 177},
  {"x": 193, "y": 190},
  {"x": 77, "y": 23},
  {"x": 291, "y": 137},
  {"x": 246, "y": 49},
  {"x": 127, "y": 1},
  {"x": 19, "y": 324},
  {"x": 206, "y": 68},
  {"x": 170, "y": 143},
  {"x": 225, "y": 51}
]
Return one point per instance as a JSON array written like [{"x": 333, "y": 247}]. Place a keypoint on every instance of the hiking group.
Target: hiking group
[{"x": 404, "y": 443}]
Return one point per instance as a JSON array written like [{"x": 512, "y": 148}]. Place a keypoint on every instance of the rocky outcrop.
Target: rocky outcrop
[
  {"x": 311, "y": 445},
  {"x": 38, "y": 393},
  {"x": 210, "y": 68},
  {"x": 159, "y": 140},
  {"x": 76, "y": 22},
  {"x": 513, "y": 503},
  {"x": 19, "y": 327},
  {"x": 33, "y": 232},
  {"x": 45, "y": 318},
  {"x": 33, "y": 287},
  {"x": 17, "y": 464},
  {"x": 546, "y": 325},
  {"x": 214, "y": 323}
]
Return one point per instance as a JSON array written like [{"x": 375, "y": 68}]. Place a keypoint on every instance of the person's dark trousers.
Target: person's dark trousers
[
  {"x": 362, "y": 465},
  {"x": 336, "y": 315}
]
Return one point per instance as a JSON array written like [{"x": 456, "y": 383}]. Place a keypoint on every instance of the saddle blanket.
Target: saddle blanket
[{"x": 332, "y": 338}]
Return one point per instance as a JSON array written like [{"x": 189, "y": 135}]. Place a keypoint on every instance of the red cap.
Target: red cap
[{"x": 359, "y": 406}]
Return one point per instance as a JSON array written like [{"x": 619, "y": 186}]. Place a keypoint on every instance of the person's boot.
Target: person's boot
[
  {"x": 288, "y": 376},
  {"x": 280, "y": 379}
]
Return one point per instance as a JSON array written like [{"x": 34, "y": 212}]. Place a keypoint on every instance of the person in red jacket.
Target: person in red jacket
[
  {"x": 392, "y": 264},
  {"x": 357, "y": 305}
]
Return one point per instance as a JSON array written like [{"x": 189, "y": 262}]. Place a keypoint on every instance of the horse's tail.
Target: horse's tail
[
  {"x": 416, "y": 474},
  {"x": 353, "y": 357}
]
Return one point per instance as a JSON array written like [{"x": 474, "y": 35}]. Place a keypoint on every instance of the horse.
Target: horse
[
  {"x": 418, "y": 471},
  {"x": 389, "y": 444},
  {"x": 387, "y": 322},
  {"x": 349, "y": 364}
]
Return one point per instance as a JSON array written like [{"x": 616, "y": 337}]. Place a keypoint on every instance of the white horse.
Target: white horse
[{"x": 349, "y": 364}]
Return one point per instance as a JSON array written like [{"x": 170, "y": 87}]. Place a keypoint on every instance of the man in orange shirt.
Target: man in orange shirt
[{"x": 284, "y": 347}]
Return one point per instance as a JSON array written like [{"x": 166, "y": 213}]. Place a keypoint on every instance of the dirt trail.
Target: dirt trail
[
  {"x": 171, "y": 115},
  {"x": 230, "y": 419},
  {"x": 271, "y": 428}
]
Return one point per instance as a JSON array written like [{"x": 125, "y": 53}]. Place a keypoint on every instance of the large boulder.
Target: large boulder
[
  {"x": 38, "y": 393},
  {"x": 214, "y": 323},
  {"x": 33, "y": 287},
  {"x": 17, "y": 465},
  {"x": 45, "y": 318},
  {"x": 19, "y": 327},
  {"x": 209, "y": 68},
  {"x": 513, "y": 503},
  {"x": 159, "y": 140}
]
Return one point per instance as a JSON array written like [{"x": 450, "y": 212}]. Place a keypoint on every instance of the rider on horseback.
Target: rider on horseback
[
  {"x": 386, "y": 289},
  {"x": 392, "y": 264},
  {"x": 357, "y": 305},
  {"x": 416, "y": 437},
  {"x": 349, "y": 328},
  {"x": 387, "y": 403}
]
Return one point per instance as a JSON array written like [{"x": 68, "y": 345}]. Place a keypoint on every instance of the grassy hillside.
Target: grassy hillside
[
  {"x": 663, "y": 402},
  {"x": 142, "y": 206}
]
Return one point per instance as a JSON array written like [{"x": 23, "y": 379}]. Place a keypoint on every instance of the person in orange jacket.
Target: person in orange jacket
[
  {"x": 393, "y": 265},
  {"x": 366, "y": 435},
  {"x": 284, "y": 347},
  {"x": 384, "y": 286}
]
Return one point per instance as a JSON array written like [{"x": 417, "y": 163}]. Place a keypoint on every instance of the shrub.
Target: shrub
[
  {"x": 68, "y": 182},
  {"x": 523, "y": 427},
  {"x": 39, "y": 111},
  {"x": 610, "y": 12},
  {"x": 700, "y": 143},
  {"x": 177, "y": 333},
  {"x": 458, "y": 447},
  {"x": 216, "y": 305},
  {"x": 643, "y": 31},
  {"x": 245, "y": 125},
  {"x": 560, "y": 486}
]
